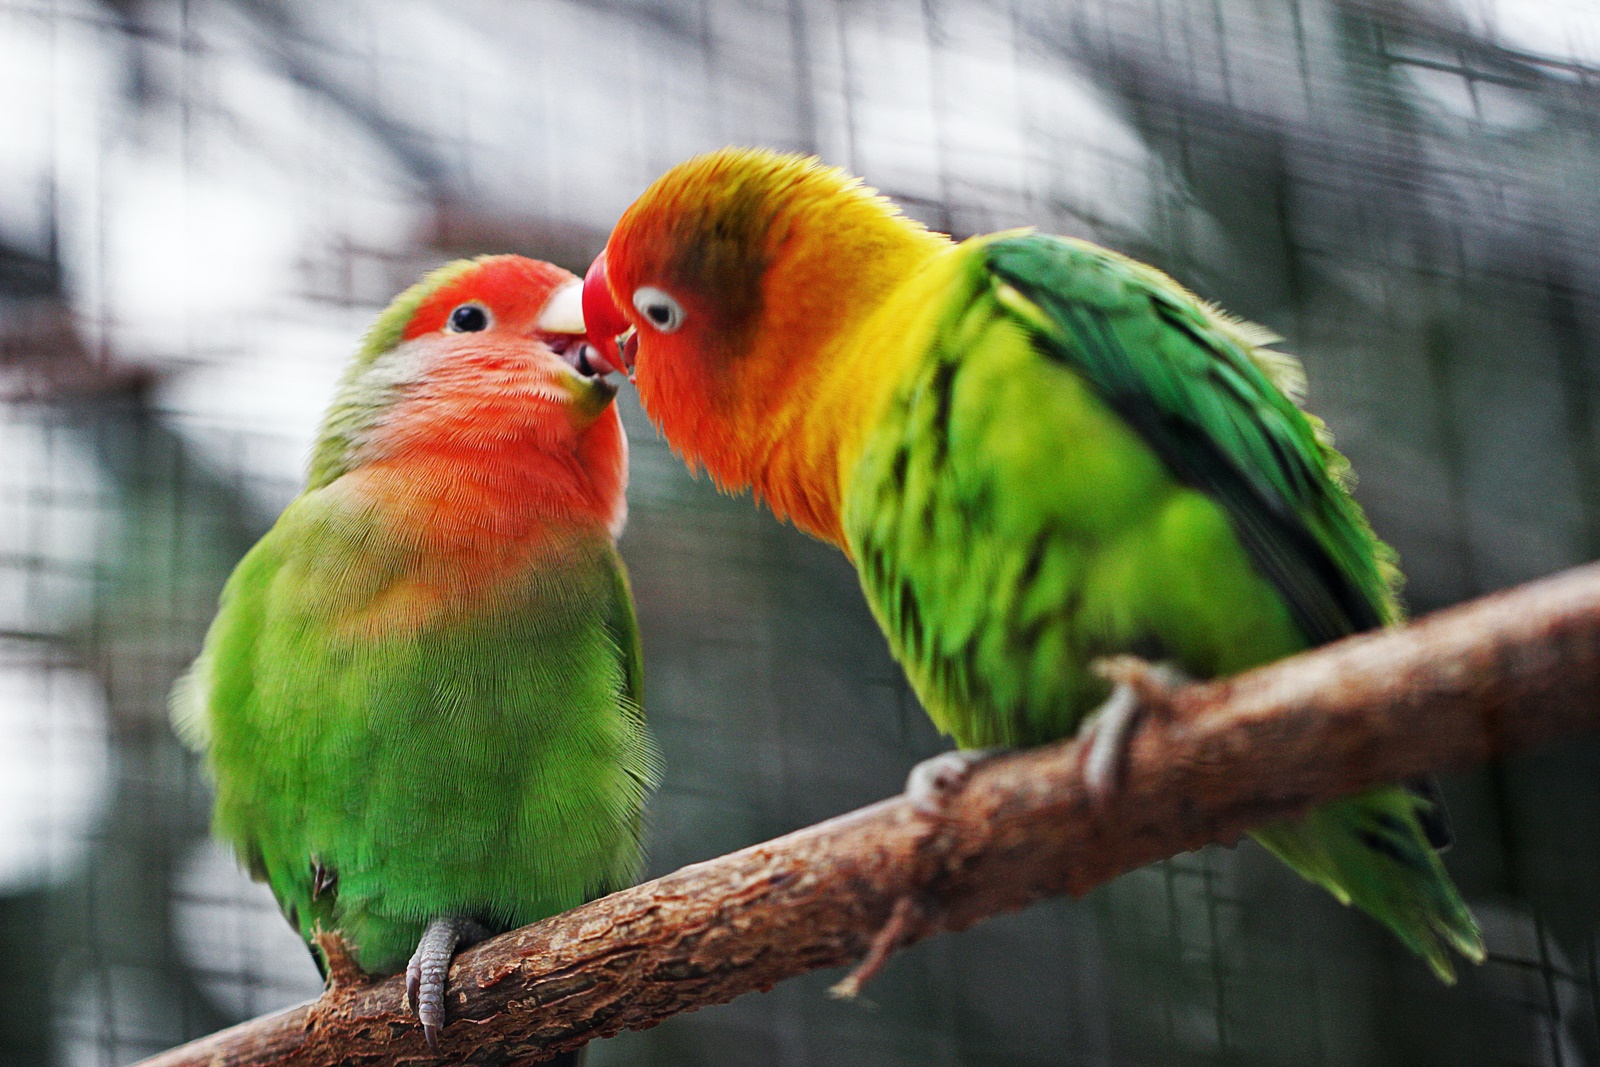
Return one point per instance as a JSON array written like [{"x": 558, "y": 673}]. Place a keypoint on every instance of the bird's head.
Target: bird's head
[
  {"x": 733, "y": 271},
  {"x": 483, "y": 357}
]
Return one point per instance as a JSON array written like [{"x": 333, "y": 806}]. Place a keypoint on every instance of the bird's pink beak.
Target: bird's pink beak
[{"x": 604, "y": 320}]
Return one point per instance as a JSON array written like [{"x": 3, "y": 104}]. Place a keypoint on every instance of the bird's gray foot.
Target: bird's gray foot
[
  {"x": 1137, "y": 688},
  {"x": 930, "y": 787},
  {"x": 430, "y": 963},
  {"x": 932, "y": 783}
]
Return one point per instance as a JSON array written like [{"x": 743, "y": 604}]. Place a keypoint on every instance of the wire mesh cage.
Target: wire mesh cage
[{"x": 204, "y": 202}]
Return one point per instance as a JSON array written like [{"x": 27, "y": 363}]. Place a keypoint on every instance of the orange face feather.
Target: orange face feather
[
  {"x": 492, "y": 449},
  {"x": 744, "y": 273}
]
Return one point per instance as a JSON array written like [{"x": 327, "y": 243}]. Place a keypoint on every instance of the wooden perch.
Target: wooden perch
[{"x": 1454, "y": 689}]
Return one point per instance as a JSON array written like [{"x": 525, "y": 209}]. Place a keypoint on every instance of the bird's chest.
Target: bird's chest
[{"x": 397, "y": 567}]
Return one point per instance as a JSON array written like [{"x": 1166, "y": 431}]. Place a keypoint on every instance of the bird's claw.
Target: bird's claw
[
  {"x": 932, "y": 783},
  {"x": 425, "y": 994},
  {"x": 429, "y": 967},
  {"x": 1152, "y": 683},
  {"x": 1138, "y": 688}
]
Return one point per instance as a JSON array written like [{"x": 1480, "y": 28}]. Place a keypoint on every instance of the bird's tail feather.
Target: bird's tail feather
[{"x": 1371, "y": 851}]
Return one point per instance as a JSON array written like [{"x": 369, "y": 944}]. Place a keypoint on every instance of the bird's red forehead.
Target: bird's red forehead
[{"x": 514, "y": 288}]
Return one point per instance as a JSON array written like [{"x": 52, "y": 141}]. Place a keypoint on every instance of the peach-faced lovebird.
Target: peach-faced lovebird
[
  {"x": 1054, "y": 469},
  {"x": 420, "y": 699}
]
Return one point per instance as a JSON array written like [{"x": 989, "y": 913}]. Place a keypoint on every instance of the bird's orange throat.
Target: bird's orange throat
[
  {"x": 478, "y": 494},
  {"x": 502, "y": 500},
  {"x": 786, "y": 415},
  {"x": 746, "y": 425},
  {"x": 501, "y": 442}
]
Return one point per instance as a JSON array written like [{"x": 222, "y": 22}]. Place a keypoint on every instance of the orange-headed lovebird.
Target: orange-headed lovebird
[{"x": 1043, "y": 458}]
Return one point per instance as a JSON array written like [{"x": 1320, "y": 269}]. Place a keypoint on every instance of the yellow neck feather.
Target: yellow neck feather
[{"x": 841, "y": 376}]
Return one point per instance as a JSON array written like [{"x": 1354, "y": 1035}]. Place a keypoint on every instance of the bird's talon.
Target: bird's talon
[
  {"x": 1139, "y": 688},
  {"x": 1151, "y": 683},
  {"x": 429, "y": 969},
  {"x": 932, "y": 783}
]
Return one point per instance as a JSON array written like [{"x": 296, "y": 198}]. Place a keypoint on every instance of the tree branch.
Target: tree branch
[{"x": 1453, "y": 689}]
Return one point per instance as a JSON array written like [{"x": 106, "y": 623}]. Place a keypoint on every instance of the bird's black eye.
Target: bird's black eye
[
  {"x": 664, "y": 313},
  {"x": 469, "y": 318}
]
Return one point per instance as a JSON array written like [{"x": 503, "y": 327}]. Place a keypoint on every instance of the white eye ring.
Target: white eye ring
[{"x": 658, "y": 309}]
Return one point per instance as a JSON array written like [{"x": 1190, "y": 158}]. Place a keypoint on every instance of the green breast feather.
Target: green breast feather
[
  {"x": 1085, "y": 460},
  {"x": 494, "y": 766}
]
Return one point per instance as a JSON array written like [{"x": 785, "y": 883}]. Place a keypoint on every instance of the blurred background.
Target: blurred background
[{"x": 203, "y": 204}]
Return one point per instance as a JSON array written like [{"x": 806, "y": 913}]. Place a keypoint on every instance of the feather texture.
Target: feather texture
[
  {"x": 421, "y": 696},
  {"x": 1084, "y": 463},
  {"x": 1037, "y": 452}
]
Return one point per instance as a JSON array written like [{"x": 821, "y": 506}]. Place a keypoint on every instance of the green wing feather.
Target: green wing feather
[
  {"x": 1198, "y": 392},
  {"x": 1085, "y": 460},
  {"x": 623, "y": 624}
]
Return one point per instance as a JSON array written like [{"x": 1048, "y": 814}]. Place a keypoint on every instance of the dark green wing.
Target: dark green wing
[
  {"x": 1191, "y": 384},
  {"x": 624, "y": 627},
  {"x": 1184, "y": 378}
]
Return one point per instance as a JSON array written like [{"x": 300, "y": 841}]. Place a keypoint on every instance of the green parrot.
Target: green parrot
[
  {"x": 420, "y": 698},
  {"x": 1042, "y": 457}
]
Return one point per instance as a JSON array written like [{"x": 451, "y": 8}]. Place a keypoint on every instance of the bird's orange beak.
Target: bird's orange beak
[{"x": 605, "y": 321}]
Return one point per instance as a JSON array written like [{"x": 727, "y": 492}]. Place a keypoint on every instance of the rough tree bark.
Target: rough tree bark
[{"x": 1453, "y": 689}]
